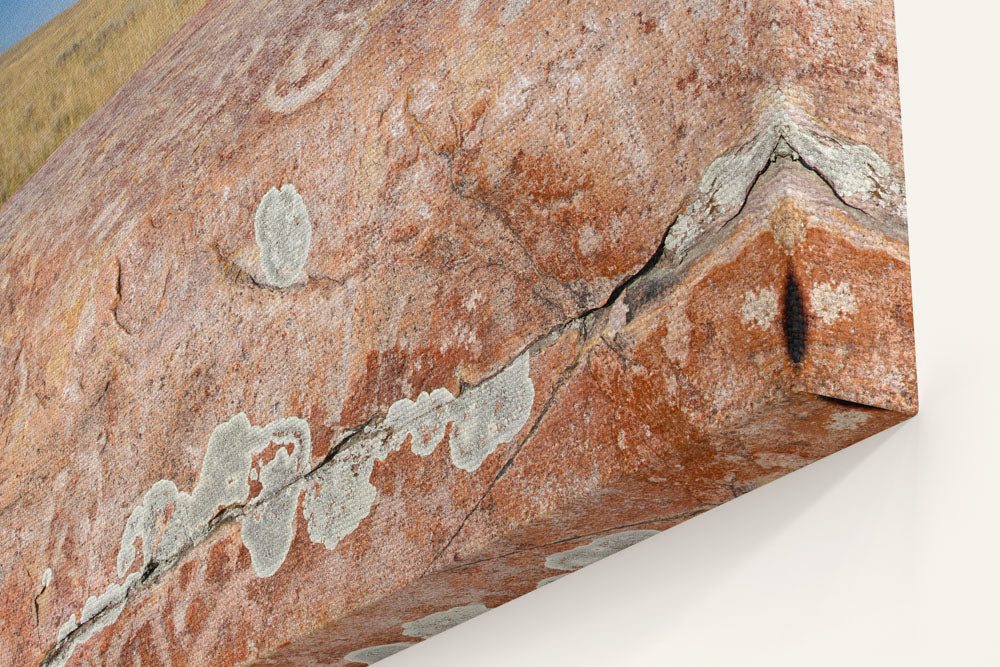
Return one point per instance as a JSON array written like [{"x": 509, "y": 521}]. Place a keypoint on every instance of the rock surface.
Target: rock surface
[{"x": 341, "y": 323}]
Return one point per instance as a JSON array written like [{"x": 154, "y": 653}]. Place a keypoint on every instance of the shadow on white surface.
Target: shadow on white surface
[{"x": 666, "y": 591}]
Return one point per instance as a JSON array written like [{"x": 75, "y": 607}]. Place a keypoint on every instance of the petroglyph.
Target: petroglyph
[{"x": 316, "y": 62}]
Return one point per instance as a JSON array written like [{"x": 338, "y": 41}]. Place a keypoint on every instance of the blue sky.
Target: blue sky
[{"x": 20, "y": 18}]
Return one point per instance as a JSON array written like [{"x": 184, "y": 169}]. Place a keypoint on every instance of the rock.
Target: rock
[{"x": 339, "y": 322}]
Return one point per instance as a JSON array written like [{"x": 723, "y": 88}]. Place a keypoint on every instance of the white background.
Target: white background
[{"x": 884, "y": 554}]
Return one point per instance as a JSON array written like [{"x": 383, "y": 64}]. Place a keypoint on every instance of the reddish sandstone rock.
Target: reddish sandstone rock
[{"x": 344, "y": 322}]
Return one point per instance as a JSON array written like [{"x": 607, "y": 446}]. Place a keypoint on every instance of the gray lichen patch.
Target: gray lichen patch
[
  {"x": 340, "y": 495},
  {"x": 438, "y": 622},
  {"x": 424, "y": 419},
  {"x": 855, "y": 172},
  {"x": 69, "y": 626},
  {"x": 760, "y": 308},
  {"x": 831, "y": 302},
  {"x": 373, "y": 654},
  {"x": 480, "y": 419},
  {"x": 422, "y": 628},
  {"x": 494, "y": 413},
  {"x": 160, "y": 524},
  {"x": 267, "y": 530},
  {"x": 283, "y": 233},
  {"x": 98, "y": 613},
  {"x": 548, "y": 580},
  {"x": 168, "y": 520},
  {"x": 602, "y": 547},
  {"x": 268, "y": 527}
]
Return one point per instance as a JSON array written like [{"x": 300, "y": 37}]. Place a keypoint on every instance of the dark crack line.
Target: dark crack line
[
  {"x": 798, "y": 158},
  {"x": 156, "y": 570},
  {"x": 753, "y": 182},
  {"x": 680, "y": 516},
  {"x": 346, "y": 440},
  {"x": 566, "y": 376},
  {"x": 772, "y": 159},
  {"x": 151, "y": 575},
  {"x": 509, "y": 226},
  {"x": 647, "y": 268},
  {"x": 118, "y": 298},
  {"x": 35, "y": 602}
]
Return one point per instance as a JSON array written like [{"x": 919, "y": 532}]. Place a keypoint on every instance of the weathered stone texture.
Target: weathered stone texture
[{"x": 343, "y": 322}]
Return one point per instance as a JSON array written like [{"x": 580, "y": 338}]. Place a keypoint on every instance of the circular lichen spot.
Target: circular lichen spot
[{"x": 283, "y": 234}]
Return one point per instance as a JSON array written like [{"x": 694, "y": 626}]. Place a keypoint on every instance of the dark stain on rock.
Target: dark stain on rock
[{"x": 794, "y": 320}]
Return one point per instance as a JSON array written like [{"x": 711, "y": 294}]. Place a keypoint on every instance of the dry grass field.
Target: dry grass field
[{"x": 52, "y": 80}]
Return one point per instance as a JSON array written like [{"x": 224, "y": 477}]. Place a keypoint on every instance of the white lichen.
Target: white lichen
[
  {"x": 513, "y": 10},
  {"x": 373, "y": 654},
  {"x": 283, "y": 234},
  {"x": 267, "y": 529},
  {"x": 832, "y": 302},
  {"x": 161, "y": 522},
  {"x": 480, "y": 419},
  {"x": 602, "y": 547},
  {"x": 848, "y": 420},
  {"x": 69, "y": 626},
  {"x": 339, "y": 495},
  {"x": 548, "y": 580},
  {"x": 168, "y": 520},
  {"x": 760, "y": 308},
  {"x": 855, "y": 171},
  {"x": 422, "y": 628},
  {"x": 98, "y": 613},
  {"x": 438, "y": 622}
]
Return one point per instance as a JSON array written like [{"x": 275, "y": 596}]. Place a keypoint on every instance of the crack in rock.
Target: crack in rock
[
  {"x": 338, "y": 494},
  {"x": 475, "y": 423},
  {"x": 853, "y": 171},
  {"x": 169, "y": 521}
]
